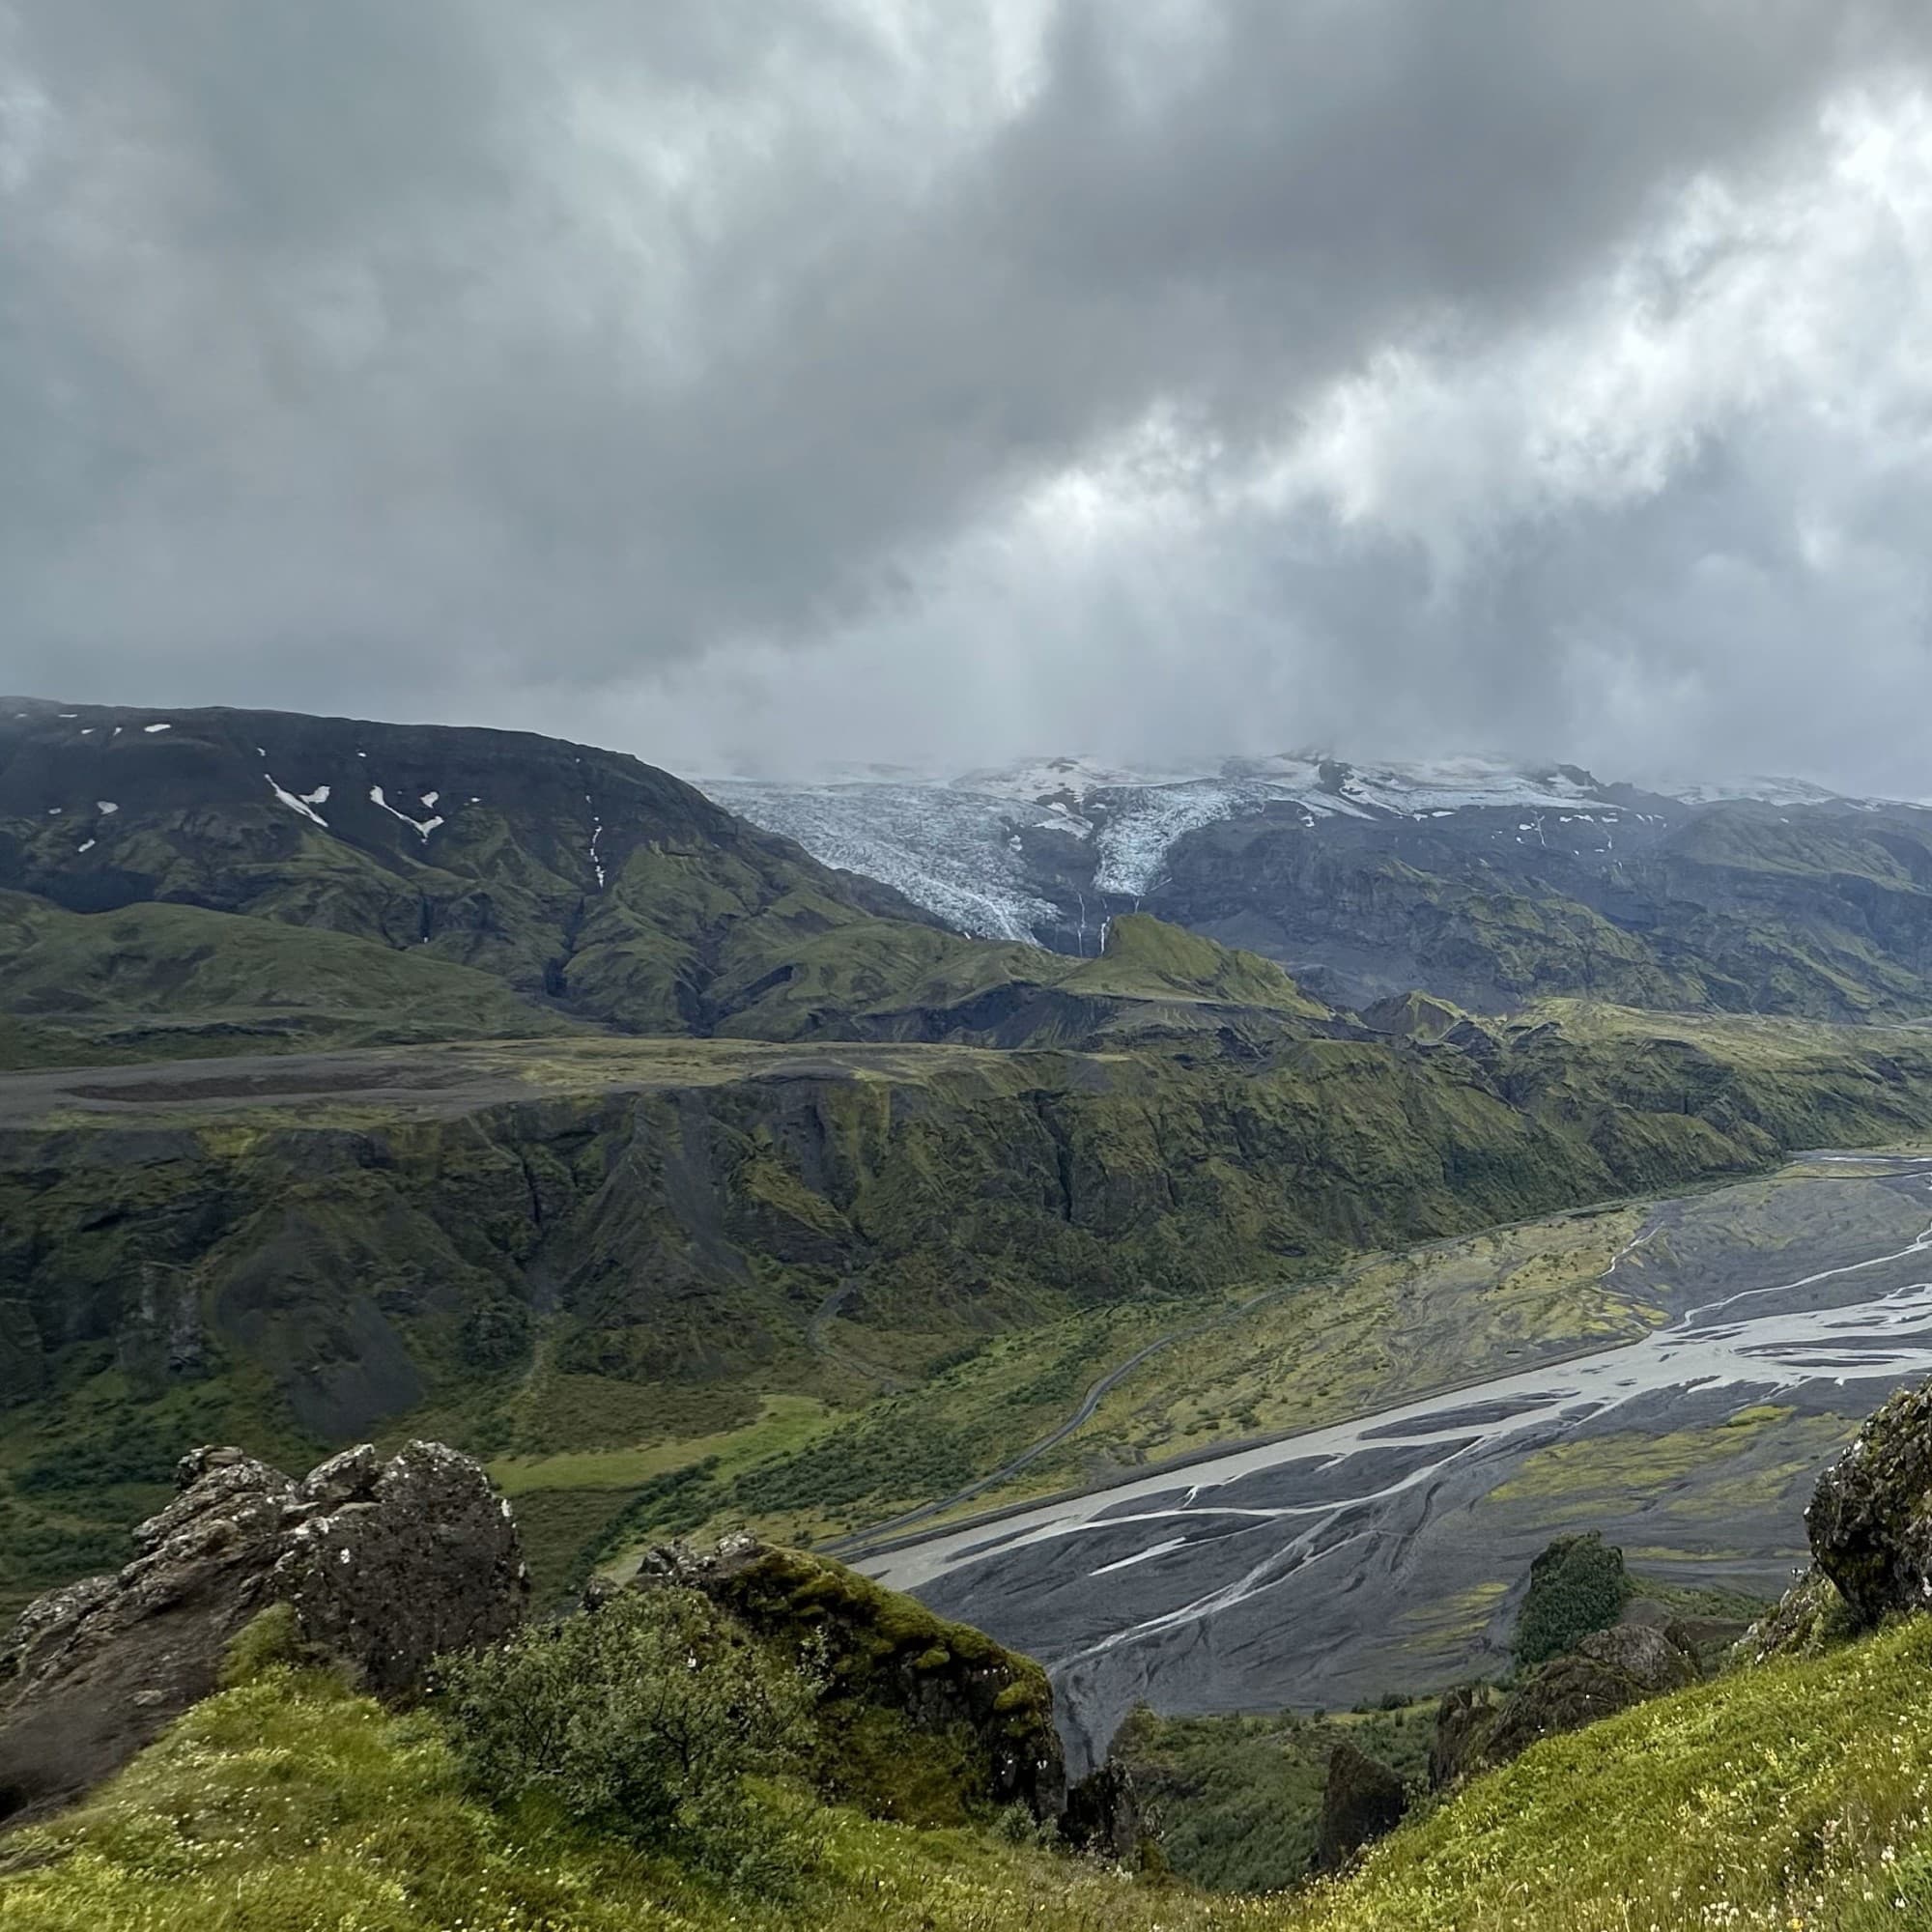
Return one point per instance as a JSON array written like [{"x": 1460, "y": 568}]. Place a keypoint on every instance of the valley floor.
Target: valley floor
[{"x": 1378, "y": 1556}]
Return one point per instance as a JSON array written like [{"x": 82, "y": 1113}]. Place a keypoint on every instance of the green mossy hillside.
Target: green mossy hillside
[
  {"x": 1824, "y": 911},
  {"x": 619, "y": 1251},
  {"x": 168, "y": 981},
  {"x": 1791, "y": 1795}
]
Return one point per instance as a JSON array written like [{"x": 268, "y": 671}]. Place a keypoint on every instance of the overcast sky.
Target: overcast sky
[{"x": 754, "y": 382}]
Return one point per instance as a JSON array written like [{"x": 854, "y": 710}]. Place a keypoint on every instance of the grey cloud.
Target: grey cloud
[{"x": 425, "y": 357}]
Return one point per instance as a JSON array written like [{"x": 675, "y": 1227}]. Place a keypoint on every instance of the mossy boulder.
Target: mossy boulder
[
  {"x": 1870, "y": 1519},
  {"x": 1607, "y": 1672},
  {"x": 924, "y": 1721}
]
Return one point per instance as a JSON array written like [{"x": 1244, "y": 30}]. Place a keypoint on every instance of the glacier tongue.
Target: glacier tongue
[{"x": 948, "y": 849}]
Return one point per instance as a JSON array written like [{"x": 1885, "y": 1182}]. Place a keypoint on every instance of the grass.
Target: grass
[
  {"x": 785, "y": 1422},
  {"x": 1792, "y": 1796},
  {"x": 290, "y": 1807}
]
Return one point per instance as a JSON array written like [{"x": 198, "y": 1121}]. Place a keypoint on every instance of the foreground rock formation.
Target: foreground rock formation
[
  {"x": 1363, "y": 1800},
  {"x": 1605, "y": 1672},
  {"x": 1869, "y": 1524},
  {"x": 384, "y": 1565},
  {"x": 1870, "y": 1520},
  {"x": 923, "y": 1713}
]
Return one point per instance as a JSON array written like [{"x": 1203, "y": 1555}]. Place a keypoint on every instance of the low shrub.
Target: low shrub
[{"x": 655, "y": 1716}]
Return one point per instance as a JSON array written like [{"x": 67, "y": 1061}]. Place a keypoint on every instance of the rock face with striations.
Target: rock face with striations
[{"x": 383, "y": 1564}]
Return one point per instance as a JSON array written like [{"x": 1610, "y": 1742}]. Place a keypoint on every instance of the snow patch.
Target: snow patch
[
  {"x": 422, "y": 827},
  {"x": 295, "y": 802},
  {"x": 105, "y": 806},
  {"x": 87, "y": 845},
  {"x": 151, "y": 729}
]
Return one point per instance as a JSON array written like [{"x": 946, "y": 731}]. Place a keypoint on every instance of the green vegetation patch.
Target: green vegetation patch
[
  {"x": 1576, "y": 1585},
  {"x": 1237, "y": 1799}
]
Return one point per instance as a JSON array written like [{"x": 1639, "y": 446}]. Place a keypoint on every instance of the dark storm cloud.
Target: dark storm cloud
[{"x": 417, "y": 357}]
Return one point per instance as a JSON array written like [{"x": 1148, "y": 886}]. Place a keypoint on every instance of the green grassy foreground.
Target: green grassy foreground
[{"x": 1794, "y": 1796}]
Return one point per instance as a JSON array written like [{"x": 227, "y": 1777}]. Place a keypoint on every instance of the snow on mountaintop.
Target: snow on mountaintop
[
  {"x": 1761, "y": 790},
  {"x": 957, "y": 842},
  {"x": 981, "y": 848}
]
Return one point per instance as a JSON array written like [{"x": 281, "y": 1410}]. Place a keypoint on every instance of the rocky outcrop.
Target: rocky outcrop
[
  {"x": 1104, "y": 1816},
  {"x": 383, "y": 1564},
  {"x": 921, "y": 1716},
  {"x": 1462, "y": 1721},
  {"x": 1607, "y": 1671},
  {"x": 1870, "y": 1519},
  {"x": 1363, "y": 1800}
]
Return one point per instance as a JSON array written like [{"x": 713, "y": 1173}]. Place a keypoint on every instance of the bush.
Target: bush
[
  {"x": 654, "y": 1716},
  {"x": 1577, "y": 1585}
]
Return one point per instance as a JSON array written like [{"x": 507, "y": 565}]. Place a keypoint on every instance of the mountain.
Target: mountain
[
  {"x": 1484, "y": 882},
  {"x": 245, "y": 881},
  {"x": 369, "y": 1077}
]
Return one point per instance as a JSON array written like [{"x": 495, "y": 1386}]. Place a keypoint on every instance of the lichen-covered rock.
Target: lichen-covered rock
[
  {"x": 384, "y": 1565},
  {"x": 1870, "y": 1519},
  {"x": 1363, "y": 1800},
  {"x": 391, "y": 1564},
  {"x": 1807, "y": 1620},
  {"x": 923, "y": 1716}
]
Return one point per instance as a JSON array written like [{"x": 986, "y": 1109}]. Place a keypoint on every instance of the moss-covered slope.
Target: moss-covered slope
[{"x": 1790, "y": 1795}]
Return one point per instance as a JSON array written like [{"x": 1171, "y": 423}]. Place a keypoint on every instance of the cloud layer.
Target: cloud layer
[{"x": 759, "y": 386}]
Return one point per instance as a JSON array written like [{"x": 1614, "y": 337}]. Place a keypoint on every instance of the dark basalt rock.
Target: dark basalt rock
[
  {"x": 383, "y": 1564},
  {"x": 1462, "y": 1721},
  {"x": 1870, "y": 1520},
  {"x": 1104, "y": 1815},
  {"x": 1363, "y": 1800}
]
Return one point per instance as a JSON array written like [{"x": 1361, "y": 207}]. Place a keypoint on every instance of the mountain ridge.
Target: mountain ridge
[{"x": 1478, "y": 880}]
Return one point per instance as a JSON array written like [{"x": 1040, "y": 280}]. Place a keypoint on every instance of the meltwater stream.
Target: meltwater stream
[{"x": 1373, "y": 1555}]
